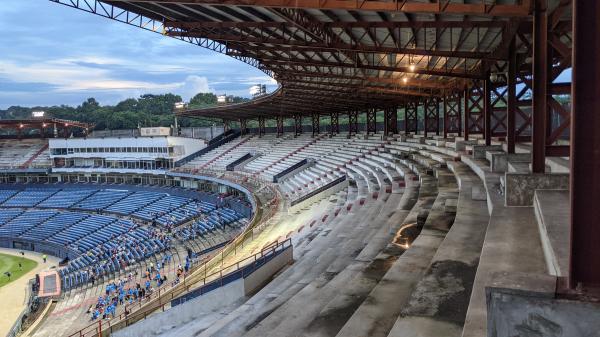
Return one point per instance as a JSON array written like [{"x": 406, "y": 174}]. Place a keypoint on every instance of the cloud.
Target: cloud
[
  {"x": 78, "y": 55},
  {"x": 193, "y": 85}
]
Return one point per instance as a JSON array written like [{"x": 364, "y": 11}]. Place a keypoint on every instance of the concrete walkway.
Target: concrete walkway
[{"x": 14, "y": 294}]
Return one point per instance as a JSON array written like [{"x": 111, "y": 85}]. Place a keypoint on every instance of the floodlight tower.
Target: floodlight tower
[{"x": 179, "y": 106}]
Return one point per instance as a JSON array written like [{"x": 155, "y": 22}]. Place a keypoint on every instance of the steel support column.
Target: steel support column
[
  {"x": 466, "y": 127},
  {"x": 371, "y": 121},
  {"x": 226, "y": 125},
  {"x": 432, "y": 116},
  {"x": 297, "y": 125},
  {"x": 334, "y": 123},
  {"x": 585, "y": 142},
  {"x": 540, "y": 86},
  {"x": 261, "y": 126},
  {"x": 352, "y": 122},
  {"x": 316, "y": 123},
  {"x": 279, "y": 126},
  {"x": 445, "y": 117},
  {"x": 390, "y": 124},
  {"x": 410, "y": 118},
  {"x": 452, "y": 121},
  {"x": 511, "y": 106},
  {"x": 487, "y": 111},
  {"x": 243, "y": 126}
]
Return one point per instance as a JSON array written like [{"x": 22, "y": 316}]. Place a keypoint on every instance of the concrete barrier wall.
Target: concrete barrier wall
[
  {"x": 520, "y": 187},
  {"x": 325, "y": 193},
  {"x": 208, "y": 304},
  {"x": 38, "y": 246},
  {"x": 194, "y": 310},
  {"x": 262, "y": 276}
]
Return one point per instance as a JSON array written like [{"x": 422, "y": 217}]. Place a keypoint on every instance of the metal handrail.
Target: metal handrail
[{"x": 165, "y": 295}]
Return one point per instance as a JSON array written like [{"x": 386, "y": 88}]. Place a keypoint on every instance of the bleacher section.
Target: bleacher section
[
  {"x": 105, "y": 243},
  {"x": 335, "y": 157},
  {"x": 18, "y": 153},
  {"x": 357, "y": 274}
]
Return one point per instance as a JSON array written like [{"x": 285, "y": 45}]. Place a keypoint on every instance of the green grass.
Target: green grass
[{"x": 10, "y": 263}]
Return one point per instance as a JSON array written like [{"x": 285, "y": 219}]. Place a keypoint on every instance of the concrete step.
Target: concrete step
[
  {"x": 317, "y": 261},
  {"x": 552, "y": 209},
  {"x": 376, "y": 314},
  {"x": 438, "y": 305}
]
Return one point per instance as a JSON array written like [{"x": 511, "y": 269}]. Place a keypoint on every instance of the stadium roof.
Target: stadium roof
[
  {"x": 39, "y": 123},
  {"x": 341, "y": 55}
]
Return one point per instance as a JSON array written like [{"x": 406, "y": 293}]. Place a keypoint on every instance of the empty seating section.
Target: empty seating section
[
  {"x": 8, "y": 214},
  {"x": 216, "y": 156},
  {"x": 163, "y": 205},
  {"x": 25, "y": 221},
  {"x": 80, "y": 229},
  {"x": 105, "y": 233},
  {"x": 66, "y": 198},
  {"x": 17, "y": 153},
  {"x": 214, "y": 221},
  {"x": 357, "y": 157},
  {"x": 28, "y": 198},
  {"x": 334, "y": 157},
  {"x": 133, "y": 202},
  {"x": 219, "y": 158},
  {"x": 102, "y": 199},
  {"x": 54, "y": 225},
  {"x": 274, "y": 161},
  {"x": 185, "y": 212},
  {"x": 6, "y": 194}
]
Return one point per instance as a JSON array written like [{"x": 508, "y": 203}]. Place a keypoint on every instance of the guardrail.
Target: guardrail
[
  {"x": 279, "y": 176},
  {"x": 165, "y": 295},
  {"x": 236, "y": 162},
  {"x": 241, "y": 272},
  {"x": 213, "y": 144},
  {"x": 221, "y": 136},
  {"x": 318, "y": 190}
]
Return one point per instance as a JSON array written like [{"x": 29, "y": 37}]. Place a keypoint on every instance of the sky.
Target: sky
[{"x": 51, "y": 54}]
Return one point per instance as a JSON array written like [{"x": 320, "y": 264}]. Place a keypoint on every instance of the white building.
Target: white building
[{"x": 120, "y": 154}]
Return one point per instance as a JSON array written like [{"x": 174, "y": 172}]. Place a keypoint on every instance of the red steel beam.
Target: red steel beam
[
  {"x": 539, "y": 87},
  {"x": 466, "y": 93},
  {"x": 479, "y": 9},
  {"x": 487, "y": 111},
  {"x": 511, "y": 106},
  {"x": 272, "y": 43},
  {"x": 585, "y": 142},
  {"x": 340, "y": 24}
]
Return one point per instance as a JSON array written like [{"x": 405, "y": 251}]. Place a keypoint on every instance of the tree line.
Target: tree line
[{"x": 147, "y": 110}]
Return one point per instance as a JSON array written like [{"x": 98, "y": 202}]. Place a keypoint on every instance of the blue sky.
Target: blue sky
[{"x": 52, "y": 54}]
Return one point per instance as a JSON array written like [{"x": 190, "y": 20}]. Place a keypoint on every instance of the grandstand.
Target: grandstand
[
  {"x": 25, "y": 153},
  {"x": 444, "y": 197}
]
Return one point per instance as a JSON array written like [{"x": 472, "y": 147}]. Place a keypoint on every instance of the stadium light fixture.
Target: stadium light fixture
[
  {"x": 21, "y": 126},
  {"x": 405, "y": 80}
]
